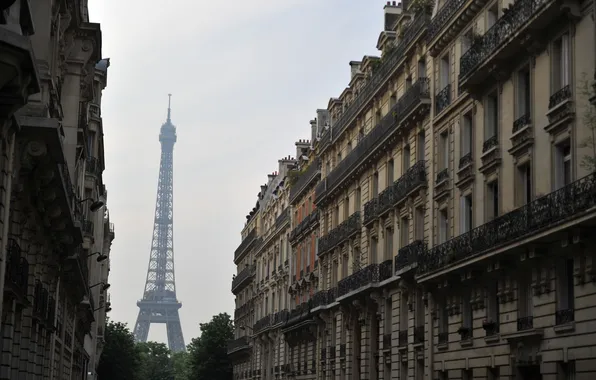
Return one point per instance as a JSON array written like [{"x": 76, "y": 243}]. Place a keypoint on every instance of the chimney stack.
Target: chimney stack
[
  {"x": 322, "y": 119},
  {"x": 313, "y": 132},
  {"x": 392, "y": 12},
  {"x": 354, "y": 68},
  {"x": 302, "y": 148}
]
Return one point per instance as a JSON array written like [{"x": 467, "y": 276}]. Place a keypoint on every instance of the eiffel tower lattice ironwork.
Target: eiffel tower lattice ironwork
[{"x": 159, "y": 303}]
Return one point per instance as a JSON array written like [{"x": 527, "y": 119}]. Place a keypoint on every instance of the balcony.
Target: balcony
[
  {"x": 237, "y": 345},
  {"x": 449, "y": 21},
  {"x": 262, "y": 324},
  {"x": 305, "y": 225},
  {"x": 569, "y": 205},
  {"x": 369, "y": 275},
  {"x": 93, "y": 167},
  {"x": 282, "y": 219},
  {"x": 515, "y": 32},
  {"x": 243, "y": 278},
  {"x": 413, "y": 179},
  {"x": 341, "y": 233},
  {"x": 389, "y": 64},
  {"x": 412, "y": 105},
  {"x": 408, "y": 255},
  {"x": 245, "y": 245},
  {"x": 305, "y": 179},
  {"x": 17, "y": 273}
]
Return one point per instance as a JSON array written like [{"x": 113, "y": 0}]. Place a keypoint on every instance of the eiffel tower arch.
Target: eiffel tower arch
[{"x": 159, "y": 303}]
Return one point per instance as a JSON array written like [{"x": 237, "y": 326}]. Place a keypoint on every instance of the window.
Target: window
[
  {"x": 444, "y": 69},
  {"x": 334, "y": 273},
  {"x": 405, "y": 232},
  {"x": 467, "y": 213},
  {"x": 374, "y": 243},
  {"x": 390, "y": 172},
  {"x": 392, "y": 100},
  {"x": 375, "y": 184},
  {"x": 420, "y": 146},
  {"x": 443, "y": 318},
  {"x": 346, "y": 208},
  {"x": 388, "y": 244},
  {"x": 524, "y": 184},
  {"x": 565, "y": 286},
  {"x": 466, "y": 135},
  {"x": 336, "y": 216},
  {"x": 406, "y": 158},
  {"x": 492, "y": 197},
  {"x": 419, "y": 226},
  {"x": 492, "y": 15},
  {"x": 524, "y": 298},
  {"x": 378, "y": 117},
  {"x": 344, "y": 267},
  {"x": 563, "y": 165},
  {"x": 523, "y": 93},
  {"x": 403, "y": 312},
  {"x": 560, "y": 63},
  {"x": 419, "y": 316},
  {"x": 467, "y": 312},
  {"x": 493, "y": 305},
  {"x": 444, "y": 150},
  {"x": 422, "y": 68},
  {"x": 357, "y": 199},
  {"x": 466, "y": 40},
  {"x": 566, "y": 370},
  {"x": 349, "y": 148},
  {"x": 443, "y": 226},
  {"x": 491, "y": 116}
]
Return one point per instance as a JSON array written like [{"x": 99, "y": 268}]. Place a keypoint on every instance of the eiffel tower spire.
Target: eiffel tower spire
[{"x": 159, "y": 303}]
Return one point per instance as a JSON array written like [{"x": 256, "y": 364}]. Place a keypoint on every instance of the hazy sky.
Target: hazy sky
[{"x": 246, "y": 78}]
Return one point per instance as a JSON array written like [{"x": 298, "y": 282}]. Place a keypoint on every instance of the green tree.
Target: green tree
[
  {"x": 119, "y": 359},
  {"x": 155, "y": 362},
  {"x": 180, "y": 362},
  {"x": 208, "y": 353}
]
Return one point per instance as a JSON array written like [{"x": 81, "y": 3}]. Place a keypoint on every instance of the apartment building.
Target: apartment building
[
  {"x": 56, "y": 235},
  {"x": 441, "y": 217}
]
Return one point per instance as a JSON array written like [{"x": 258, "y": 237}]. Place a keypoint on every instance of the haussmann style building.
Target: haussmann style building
[
  {"x": 442, "y": 212},
  {"x": 56, "y": 233}
]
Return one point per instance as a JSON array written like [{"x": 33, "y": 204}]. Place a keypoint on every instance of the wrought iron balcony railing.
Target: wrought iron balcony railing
[
  {"x": 408, "y": 255},
  {"x": 395, "y": 193},
  {"x": 389, "y": 64},
  {"x": 93, "y": 166},
  {"x": 370, "y": 274},
  {"x": 371, "y": 142},
  {"x": 310, "y": 175},
  {"x": 282, "y": 219},
  {"x": 443, "y": 17},
  {"x": 243, "y": 278},
  {"x": 238, "y": 344},
  {"x": 564, "y": 316},
  {"x": 442, "y": 99},
  {"x": 17, "y": 270},
  {"x": 511, "y": 22},
  {"x": 340, "y": 233},
  {"x": 547, "y": 211},
  {"x": 246, "y": 243},
  {"x": 262, "y": 324},
  {"x": 305, "y": 224}
]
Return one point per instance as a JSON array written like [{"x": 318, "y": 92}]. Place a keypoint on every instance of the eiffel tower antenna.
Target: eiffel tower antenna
[{"x": 159, "y": 303}]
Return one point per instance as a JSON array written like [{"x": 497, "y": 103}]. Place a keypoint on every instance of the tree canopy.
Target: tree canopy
[
  {"x": 208, "y": 357},
  {"x": 156, "y": 363},
  {"x": 120, "y": 358}
]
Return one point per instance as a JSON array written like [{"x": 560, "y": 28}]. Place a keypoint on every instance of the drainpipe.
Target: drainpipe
[{"x": 6, "y": 217}]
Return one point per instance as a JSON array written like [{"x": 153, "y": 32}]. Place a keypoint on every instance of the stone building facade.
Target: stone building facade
[
  {"x": 56, "y": 233},
  {"x": 441, "y": 213}
]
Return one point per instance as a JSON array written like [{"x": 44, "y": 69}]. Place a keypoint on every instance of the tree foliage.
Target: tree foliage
[
  {"x": 180, "y": 362},
  {"x": 155, "y": 361},
  {"x": 208, "y": 357},
  {"x": 120, "y": 358}
]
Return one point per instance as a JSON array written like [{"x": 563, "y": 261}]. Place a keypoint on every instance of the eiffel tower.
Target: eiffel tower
[{"x": 159, "y": 303}]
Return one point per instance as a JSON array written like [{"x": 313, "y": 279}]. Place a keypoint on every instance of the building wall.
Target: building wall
[
  {"x": 457, "y": 278},
  {"x": 52, "y": 310}
]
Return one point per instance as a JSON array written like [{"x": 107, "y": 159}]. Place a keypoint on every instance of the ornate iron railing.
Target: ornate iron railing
[
  {"x": 17, "y": 268},
  {"x": 559, "y": 96},
  {"x": 443, "y": 16},
  {"x": 246, "y": 242},
  {"x": 564, "y": 316},
  {"x": 305, "y": 224},
  {"x": 262, "y": 324},
  {"x": 546, "y": 211},
  {"x": 340, "y": 233},
  {"x": 388, "y": 65},
  {"x": 395, "y": 193},
  {"x": 408, "y": 255},
  {"x": 443, "y": 99},
  {"x": 370, "y": 274},
  {"x": 514, "y": 18},
  {"x": 246, "y": 274},
  {"x": 238, "y": 344}
]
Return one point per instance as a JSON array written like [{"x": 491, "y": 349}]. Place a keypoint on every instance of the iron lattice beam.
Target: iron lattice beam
[{"x": 159, "y": 303}]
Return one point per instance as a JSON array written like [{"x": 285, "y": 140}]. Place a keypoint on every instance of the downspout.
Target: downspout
[{"x": 6, "y": 217}]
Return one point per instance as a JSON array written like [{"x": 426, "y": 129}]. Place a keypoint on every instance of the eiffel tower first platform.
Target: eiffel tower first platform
[{"x": 159, "y": 303}]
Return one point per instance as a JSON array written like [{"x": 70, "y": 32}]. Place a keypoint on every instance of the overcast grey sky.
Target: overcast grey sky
[{"x": 246, "y": 78}]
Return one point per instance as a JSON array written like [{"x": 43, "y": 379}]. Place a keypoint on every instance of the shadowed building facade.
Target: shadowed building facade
[
  {"x": 448, "y": 203},
  {"x": 56, "y": 234}
]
